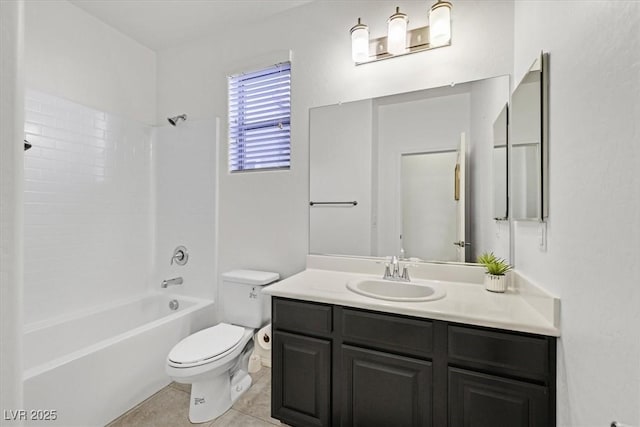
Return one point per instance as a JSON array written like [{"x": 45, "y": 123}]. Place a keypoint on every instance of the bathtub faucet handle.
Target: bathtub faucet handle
[{"x": 180, "y": 255}]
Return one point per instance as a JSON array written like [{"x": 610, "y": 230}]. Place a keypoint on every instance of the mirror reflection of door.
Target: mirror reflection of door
[{"x": 429, "y": 209}]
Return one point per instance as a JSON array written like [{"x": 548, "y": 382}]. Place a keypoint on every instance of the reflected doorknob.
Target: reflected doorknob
[{"x": 462, "y": 243}]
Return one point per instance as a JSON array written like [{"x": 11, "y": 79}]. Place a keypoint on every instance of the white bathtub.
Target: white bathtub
[{"x": 92, "y": 367}]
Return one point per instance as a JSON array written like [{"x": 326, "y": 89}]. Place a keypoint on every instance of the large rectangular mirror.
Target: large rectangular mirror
[
  {"x": 408, "y": 174},
  {"x": 529, "y": 143},
  {"x": 500, "y": 166}
]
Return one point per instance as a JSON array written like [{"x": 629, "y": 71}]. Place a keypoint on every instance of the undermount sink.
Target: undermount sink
[{"x": 391, "y": 290}]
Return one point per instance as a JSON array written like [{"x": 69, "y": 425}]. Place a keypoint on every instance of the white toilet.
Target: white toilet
[{"x": 214, "y": 360}]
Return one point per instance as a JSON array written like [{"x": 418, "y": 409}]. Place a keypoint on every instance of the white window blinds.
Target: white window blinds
[{"x": 260, "y": 119}]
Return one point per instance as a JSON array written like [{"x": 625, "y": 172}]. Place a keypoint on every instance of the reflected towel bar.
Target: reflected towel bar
[{"x": 354, "y": 203}]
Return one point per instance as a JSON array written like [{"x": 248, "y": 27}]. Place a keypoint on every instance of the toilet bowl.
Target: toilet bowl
[{"x": 214, "y": 360}]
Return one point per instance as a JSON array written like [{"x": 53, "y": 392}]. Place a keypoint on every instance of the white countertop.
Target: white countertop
[{"x": 466, "y": 303}]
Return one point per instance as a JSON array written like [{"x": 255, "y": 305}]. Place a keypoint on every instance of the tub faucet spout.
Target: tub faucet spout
[{"x": 174, "y": 281}]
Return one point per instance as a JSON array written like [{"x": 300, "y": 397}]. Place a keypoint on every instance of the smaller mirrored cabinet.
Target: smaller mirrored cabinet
[
  {"x": 529, "y": 143},
  {"x": 500, "y": 166}
]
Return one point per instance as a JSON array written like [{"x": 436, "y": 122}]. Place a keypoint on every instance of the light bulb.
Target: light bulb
[
  {"x": 360, "y": 42},
  {"x": 397, "y": 33},
  {"x": 440, "y": 24}
]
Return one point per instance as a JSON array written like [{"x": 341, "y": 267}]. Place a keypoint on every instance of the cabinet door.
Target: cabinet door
[
  {"x": 301, "y": 386},
  {"x": 381, "y": 389},
  {"x": 481, "y": 400}
]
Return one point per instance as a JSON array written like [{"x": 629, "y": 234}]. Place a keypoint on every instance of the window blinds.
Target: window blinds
[{"x": 260, "y": 119}]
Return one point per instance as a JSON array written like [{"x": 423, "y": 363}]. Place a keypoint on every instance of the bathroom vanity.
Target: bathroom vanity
[{"x": 343, "y": 359}]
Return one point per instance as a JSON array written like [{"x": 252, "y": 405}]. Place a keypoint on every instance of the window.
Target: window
[{"x": 260, "y": 119}]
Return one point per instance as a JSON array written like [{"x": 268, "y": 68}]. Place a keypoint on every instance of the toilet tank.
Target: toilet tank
[{"x": 243, "y": 302}]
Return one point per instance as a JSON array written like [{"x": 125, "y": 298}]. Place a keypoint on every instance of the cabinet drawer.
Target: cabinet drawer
[
  {"x": 302, "y": 317},
  {"x": 501, "y": 352},
  {"x": 387, "y": 332}
]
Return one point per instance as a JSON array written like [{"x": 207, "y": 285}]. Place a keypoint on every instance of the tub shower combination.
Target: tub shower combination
[{"x": 94, "y": 366}]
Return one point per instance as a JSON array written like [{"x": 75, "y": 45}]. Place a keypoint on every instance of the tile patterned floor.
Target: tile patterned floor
[{"x": 170, "y": 407}]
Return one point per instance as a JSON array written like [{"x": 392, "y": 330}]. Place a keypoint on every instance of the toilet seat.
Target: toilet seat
[{"x": 206, "y": 346}]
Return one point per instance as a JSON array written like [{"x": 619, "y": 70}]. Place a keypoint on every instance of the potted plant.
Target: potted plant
[{"x": 495, "y": 279}]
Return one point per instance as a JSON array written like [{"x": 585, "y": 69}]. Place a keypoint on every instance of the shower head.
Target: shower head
[{"x": 174, "y": 120}]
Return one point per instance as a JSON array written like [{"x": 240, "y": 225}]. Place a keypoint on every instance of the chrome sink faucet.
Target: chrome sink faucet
[
  {"x": 392, "y": 270},
  {"x": 174, "y": 281}
]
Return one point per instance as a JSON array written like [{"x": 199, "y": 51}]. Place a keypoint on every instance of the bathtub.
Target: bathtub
[{"x": 87, "y": 369}]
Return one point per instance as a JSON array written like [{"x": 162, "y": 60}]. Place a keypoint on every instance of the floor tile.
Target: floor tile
[
  {"x": 233, "y": 418},
  {"x": 256, "y": 401},
  {"x": 170, "y": 407},
  {"x": 167, "y": 408},
  {"x": 182, "y": 387},
  {"x": 262, "y": 372}
]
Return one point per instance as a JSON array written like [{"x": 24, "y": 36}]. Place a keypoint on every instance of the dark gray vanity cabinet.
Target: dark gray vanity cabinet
[
  {"x": 499, "y": 378},
  {"x": 302, "y": 388},
  {"x": 487, "y": 400},
  {"x": 385, "y": 371},
  {"x": 343, "y": 366},
  {"x": 301, "y": 363},
  {"x": 383, "y": 389}
]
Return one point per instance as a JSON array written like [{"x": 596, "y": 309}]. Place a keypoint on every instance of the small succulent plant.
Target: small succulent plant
[{"x": 493, "y": 264}]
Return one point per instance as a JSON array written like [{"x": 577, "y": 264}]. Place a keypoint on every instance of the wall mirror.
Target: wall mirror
[
  {"x": 529, "y": 143},
  {"x": 501, "y": 166},
  {"x": 408, "y": 174}
]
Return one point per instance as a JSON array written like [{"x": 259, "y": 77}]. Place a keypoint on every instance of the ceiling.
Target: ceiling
[{"x": 159, "y": 24}]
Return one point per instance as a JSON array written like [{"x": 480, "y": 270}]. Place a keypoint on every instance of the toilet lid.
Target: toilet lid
[{"x": 206, "y": 344}]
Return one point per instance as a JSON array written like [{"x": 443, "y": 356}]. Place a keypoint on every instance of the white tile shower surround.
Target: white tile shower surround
[{"x": 87, "y": 207}]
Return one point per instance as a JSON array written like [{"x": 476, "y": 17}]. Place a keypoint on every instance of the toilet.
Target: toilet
[{"x": 214, "y": 360}]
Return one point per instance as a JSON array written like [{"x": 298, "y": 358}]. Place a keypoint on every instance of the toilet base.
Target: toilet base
[
  {"x": 209, "y": 399},
  {"x": 240, "y": 383},
  {"x": 213, "y": 397}
]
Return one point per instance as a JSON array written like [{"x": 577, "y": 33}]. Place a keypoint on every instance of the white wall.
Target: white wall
[
  {"x": 184, "y": 159},
  {"x": 192, "y": 79},
  {"x": 71, "y": 54},
  {"x": 593, "y": 244},
  {"x": 11, "y": 225},
  {"x": 87, "y": 207}
]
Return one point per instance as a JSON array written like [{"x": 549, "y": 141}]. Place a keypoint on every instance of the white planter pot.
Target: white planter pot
[{"x": 495, "y": 283}]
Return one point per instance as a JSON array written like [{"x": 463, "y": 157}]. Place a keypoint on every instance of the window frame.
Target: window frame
[{"x": 236, "y": 138}]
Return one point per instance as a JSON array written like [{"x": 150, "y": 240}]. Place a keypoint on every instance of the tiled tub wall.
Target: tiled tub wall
[{"x": 87, "y": 207}]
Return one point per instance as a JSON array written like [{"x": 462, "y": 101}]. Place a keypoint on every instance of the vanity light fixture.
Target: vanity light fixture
[
  {"x": 440, "y": 24},
  {"x": 397, "y": 33},
  {"x": 399, "y": 40},
  {"x": 359, "y": 42}
]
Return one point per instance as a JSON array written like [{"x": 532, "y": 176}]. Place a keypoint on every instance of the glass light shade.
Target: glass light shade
[
  {"x": 397, "y": 33},
  {"x": 440, "y": 24},
  {"x": 360, "y": 42}
]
